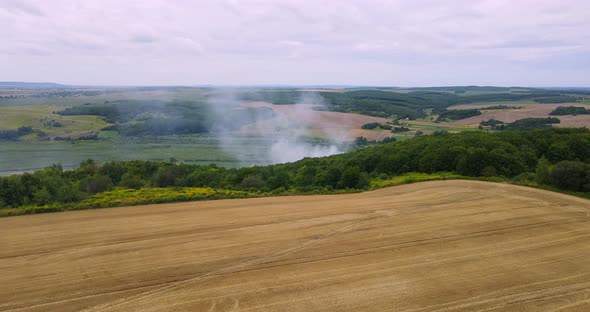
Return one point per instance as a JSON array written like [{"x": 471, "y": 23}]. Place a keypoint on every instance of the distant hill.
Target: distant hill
[{"x": 30, "y": 85}]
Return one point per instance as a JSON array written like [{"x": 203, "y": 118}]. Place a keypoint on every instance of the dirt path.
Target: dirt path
[{"x": 433, "y": 246}]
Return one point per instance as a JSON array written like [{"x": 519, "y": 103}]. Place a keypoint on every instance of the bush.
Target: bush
[
  {"x": 353, "y": 178},
  {"x": 130, "y": 180},
  {"x": 543, "y": 171},
  {"x": 252, "y": 182},
  {"x": 370, "y": 126},
  {"x": 96, "y": 184},
  {"x": 457, "y": 114},
  {"x": 570, "y": 110},
  {"x": 571, "y": 175},
  {"x": 524, "y": 178}
]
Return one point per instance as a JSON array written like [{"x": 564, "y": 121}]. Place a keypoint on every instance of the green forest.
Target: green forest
[
  {"x": 457, "y": 114},
  {"x": 521, "y": 124},
  {"x": 570, "y": 110},
  {"x": 381, "y": 103},
  {"x": 553, "y": 158}
]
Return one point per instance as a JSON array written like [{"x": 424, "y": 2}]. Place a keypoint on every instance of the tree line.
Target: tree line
[
  {"x": 382, "y": 103},
  {"x": 570, "y": 110},
  {"x": 521, "y": 124},
  {"x": 555, "y": 157}
]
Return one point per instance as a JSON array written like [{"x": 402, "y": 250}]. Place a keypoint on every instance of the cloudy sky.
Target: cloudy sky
[{"x": 363, "y": 42}]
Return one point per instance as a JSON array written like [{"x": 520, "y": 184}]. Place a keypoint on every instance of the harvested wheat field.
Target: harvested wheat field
[
  {"x": 526, "y": 111},
  {"x": 433, "y": 246},
  {"x": 301, "y": 120}
]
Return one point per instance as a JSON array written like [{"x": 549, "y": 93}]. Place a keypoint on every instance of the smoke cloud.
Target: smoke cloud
[{"x": 292, "y": 132}]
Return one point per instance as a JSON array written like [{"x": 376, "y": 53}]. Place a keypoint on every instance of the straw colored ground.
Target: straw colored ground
[
  {"x": 301, "y": 119},
  {"x": 432, "y": 246},
  {"x": 527, "y": 111}
]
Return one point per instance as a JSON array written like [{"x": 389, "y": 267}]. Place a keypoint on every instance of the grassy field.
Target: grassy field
[
  {"x": 432, "y": 246},
  {"x": 428, "y": 126},
  {"x": 197, "y": 149},
  {"x": 228, "y": 151},
  {"x": 33, "y": 98},
  {"x": 43, "y": 118}
]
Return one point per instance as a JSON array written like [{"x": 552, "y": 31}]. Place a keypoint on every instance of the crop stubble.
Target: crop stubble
[{"x": 432, "y": 246}]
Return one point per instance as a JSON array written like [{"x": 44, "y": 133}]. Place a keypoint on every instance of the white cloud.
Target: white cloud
[
  {"x": 188, "y": 44},
  {"x": 369, "y": 46},
  {"x": 420, "y": 42},
  {"x": 21, "y": 7}
]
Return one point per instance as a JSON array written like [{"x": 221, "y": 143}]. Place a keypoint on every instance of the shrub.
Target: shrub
[
  {"x": 96, "y": 184},
  {"x": 131, "y": 180},
  {"x": 570, "y": 175}
]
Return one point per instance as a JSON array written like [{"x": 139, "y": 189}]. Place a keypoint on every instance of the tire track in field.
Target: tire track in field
[
  {"x": 346, "y": 228},
  {"x": 234, "y": 268},
  {"x": 429, "y": 308},
  {"x": 48, "y": 304},
  {"x": 473, "y": 253}
]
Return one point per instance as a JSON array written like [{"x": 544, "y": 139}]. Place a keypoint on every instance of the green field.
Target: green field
[
  {"x": 35, "y": 98},
  {"x": 428, "y": 126},
  {"x": 193, "y": 149},
  {"x": 494, "y": 103},
  {"x": 43, "y": 118}
]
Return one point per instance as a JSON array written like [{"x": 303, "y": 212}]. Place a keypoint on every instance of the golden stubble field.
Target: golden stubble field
[
  {"x": 527, "y": 111},
  {"x": 432, "y": 246},
  {"x": 301, "y": 120}
]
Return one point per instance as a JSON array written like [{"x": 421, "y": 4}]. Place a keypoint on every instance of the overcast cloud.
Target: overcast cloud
[{"x": 394, "y": 43}]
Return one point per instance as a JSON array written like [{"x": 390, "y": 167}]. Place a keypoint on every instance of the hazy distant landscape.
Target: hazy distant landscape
[{"x": 241, "y": 126}]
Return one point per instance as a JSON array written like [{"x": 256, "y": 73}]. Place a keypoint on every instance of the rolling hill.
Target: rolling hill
[{"x": 433, "y": 246}]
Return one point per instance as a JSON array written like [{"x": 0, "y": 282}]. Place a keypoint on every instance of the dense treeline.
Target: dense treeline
[
  {"x": 532, "y": 123},
  {"x": 557, "y": 99},
  {"x": 376, "y": 125},
  {"x": 274, "y": 96},
  {"x": 371, "y": 125},
  {"x": 385, "y": 104},
  {"x": 13, "y": 135},
  {"x": 457, "y": 114},
  {"x": 570, "y": 110},
  {"x": 493, "y": 124},
  {"x": 555, "y": 157},
  {"x": 412, "y": 104},
  {"x": 521, "y": 124},
  {"x": 464, "y": 89}
]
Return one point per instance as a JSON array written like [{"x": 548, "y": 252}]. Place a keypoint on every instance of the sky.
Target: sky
[{"x": 534, "y": 43}]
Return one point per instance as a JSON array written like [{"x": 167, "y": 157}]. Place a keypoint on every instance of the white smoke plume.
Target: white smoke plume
[
  {"x": 289, "y": 150},
  {"x": 283, "y": 138}
]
